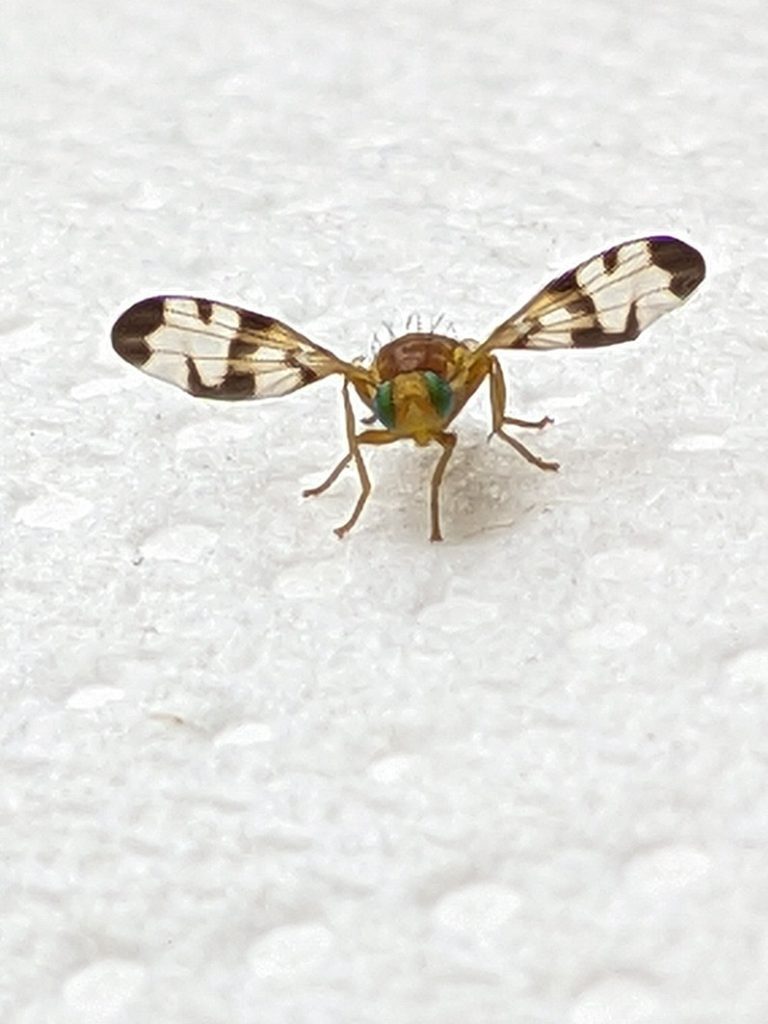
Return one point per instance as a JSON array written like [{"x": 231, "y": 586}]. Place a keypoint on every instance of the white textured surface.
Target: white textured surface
[{"x": 252, "y": 775}]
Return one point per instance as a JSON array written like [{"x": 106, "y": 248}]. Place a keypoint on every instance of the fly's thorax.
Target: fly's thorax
[{"x": 411, "y": 352}]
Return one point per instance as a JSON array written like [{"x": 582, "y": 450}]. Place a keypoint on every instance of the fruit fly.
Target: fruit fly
[{"x": 416, "y": 384}]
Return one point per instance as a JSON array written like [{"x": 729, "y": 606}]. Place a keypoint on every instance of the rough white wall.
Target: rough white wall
[{"x": 253, "y": 775}]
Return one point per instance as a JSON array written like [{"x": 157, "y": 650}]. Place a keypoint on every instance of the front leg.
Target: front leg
[
  {"x": 498, "y": 419},
  {"x": 349, "y": 423},
  {"x": 367, "y": 437},
  {"x": 354, "y": 441},
  {"x": 448, "y": 442}
]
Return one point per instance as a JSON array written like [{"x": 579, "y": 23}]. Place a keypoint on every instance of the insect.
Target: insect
[{"x": 418, "y": 383}]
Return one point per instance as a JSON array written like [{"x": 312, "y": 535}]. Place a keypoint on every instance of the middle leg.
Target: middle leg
[
  {"x": 535, "y": 424},
  {"x": 499, "y": 401},
  {"x": 498, "y": 419}
]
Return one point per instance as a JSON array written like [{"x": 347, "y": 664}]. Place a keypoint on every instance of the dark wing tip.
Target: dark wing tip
[
  {"x": 134, "y": 326},
  {"x": 255, "y": 321},
  {"x": 566, "y": 282},
  {"x": 684, "y": 263}
]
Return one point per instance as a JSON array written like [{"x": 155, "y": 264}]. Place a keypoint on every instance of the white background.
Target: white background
[{"x": 255, "y": 775}]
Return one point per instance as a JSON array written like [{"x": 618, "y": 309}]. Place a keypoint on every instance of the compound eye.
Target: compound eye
[
  {"x": 440, "y": 392},
  {"x": 384, "y": 405}
]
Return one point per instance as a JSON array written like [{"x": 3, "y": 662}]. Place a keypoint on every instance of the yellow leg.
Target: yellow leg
[
  {"x": 448, "y": 441},
  {"x": 354, "y": 441},
  {"x": 528, "y": 455},
  {"x": 310, "y": 492},
  {"x": 535, "y": 424},
  {"x": 498, "y": 419},
  {"x": 498, "y": 396},
  {"x": 367, "y": 437},
  {"x": 349, "y": 423}
]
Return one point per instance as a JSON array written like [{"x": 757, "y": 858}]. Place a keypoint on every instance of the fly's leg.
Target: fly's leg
[
  {"x": 498, "y": 419},
  {"x": 535, "y": 424},
  {"x": 528, "y": 455},
  {"x": 448, "y": 441},
  {"x": 354, "y": 441},
  {"x": 349, "y": 422},
  {"x": 310, "y": 492},
  {"x": 367, "y": 437}
]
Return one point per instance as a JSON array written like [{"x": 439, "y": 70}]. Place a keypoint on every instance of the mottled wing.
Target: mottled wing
[
  {"x": 213, "y": 350},
  {"x": 608, "y": 299}
]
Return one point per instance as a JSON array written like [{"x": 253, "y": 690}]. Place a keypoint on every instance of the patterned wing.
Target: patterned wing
[
  {"x": 608, "y": 299},
  {"x": 217, "y": 351}
]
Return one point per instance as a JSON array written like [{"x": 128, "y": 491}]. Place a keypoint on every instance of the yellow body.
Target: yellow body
[
  {"x": 415, "y": 415},
  {"x": 418, "y": 383},
  {"x": 407, "y": 366},
  {"x": 404, "y": 362}
]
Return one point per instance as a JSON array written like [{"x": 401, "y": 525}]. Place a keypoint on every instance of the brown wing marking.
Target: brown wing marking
[
  {"x": 214, "y": 350},
  {"x": 610, "y": 298}
]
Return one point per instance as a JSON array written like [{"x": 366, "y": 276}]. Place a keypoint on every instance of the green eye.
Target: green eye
[
  {"x": 383, "y": 405},
  {"x": 440, "y": 393}
]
